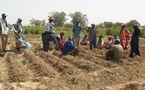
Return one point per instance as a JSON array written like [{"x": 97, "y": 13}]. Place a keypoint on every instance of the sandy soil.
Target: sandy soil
[{"x": 34, "y": 69}]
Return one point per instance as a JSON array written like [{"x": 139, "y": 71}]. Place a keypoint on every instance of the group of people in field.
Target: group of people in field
[
  {"x": 51, "y": 40},
  {"x": 114, "y": 44}
]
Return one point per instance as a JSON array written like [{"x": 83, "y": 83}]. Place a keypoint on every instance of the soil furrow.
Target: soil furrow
[
  {"x": 39, "y": 67},
  {"x": 60, "y": 65},
  {"x": 16, "y": 72}
]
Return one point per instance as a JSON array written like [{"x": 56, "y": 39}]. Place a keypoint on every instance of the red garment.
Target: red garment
[
  {"x": 61, "y": 42},
  {"x": 124, "y": 38}
]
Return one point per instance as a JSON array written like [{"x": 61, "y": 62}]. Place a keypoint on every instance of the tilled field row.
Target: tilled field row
[
  {"x": 37, "y": 65},
  {"x": 60, "y": 65},
  {"x": 16, "y": 72}
]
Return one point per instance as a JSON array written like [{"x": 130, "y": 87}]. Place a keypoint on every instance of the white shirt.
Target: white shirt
[
  {"x": 3, "y": 27},
  {"x": 49, "y": 26}
]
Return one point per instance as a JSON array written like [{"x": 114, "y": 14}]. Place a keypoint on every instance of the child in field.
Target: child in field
[{"x": 100, "y": 43}]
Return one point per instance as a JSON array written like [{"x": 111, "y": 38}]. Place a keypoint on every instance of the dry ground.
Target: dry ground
[{"x": 34, "y": 69}]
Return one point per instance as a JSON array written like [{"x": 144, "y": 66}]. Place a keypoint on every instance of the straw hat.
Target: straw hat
[{"x": 51, "y": 18}]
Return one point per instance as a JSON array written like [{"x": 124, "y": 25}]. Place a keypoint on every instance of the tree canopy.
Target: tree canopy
[
  {"x": 79, "y": 16},
  {"x": 36, "y": 22},
  {"x": 59, "y": 18}
]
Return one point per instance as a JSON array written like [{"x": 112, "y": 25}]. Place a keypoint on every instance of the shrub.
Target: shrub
[
  {"x": 142, "y": 33},
  {"x": 26, "y": 31},
  {"x": 33, "y": 30},
  {"x": 108, "y": 32}
]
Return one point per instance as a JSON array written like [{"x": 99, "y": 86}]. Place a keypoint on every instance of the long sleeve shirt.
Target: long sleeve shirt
[
  {"x": 77, "y": 30},
  {"x": 49, "y": 26},
  {"x": 4, "y": 27}
]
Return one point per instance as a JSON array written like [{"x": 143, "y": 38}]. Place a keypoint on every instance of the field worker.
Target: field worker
[
  {"x": 19, "y": 29},
  {"x": 77, "y": 27},
  {"x": 69, "y": 47},
  {"x": 115, "y": 52},
  {"x": 61, "y": 40},
  {"x": 19, "y": 24},
  {"x": 135, "y": 41},
  {"x": 124, "y": 37},
  {"x": 49, "y": 40},
  {"x": 50, "y": 25},
  {"x": 100, "y": 43},
  {"x": 85, "y": 40},
  {"x": 4, "y": 31},
  {"x": 109, "y": 43},
  {"x": 92, "y": 33}
]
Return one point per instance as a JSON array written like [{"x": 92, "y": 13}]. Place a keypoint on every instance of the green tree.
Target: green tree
[
  {"x": 129, "y": 24},
  {"x": 101, "y": 25},
  {"x": 68, "y": 25},
  {"x": 117, "y": 24},
  {"x": 108, "y": 24},
  {"x": 79, "y": 16},
  {"x": 59, "y": 18},
  {"x": 36, "y": 22}
]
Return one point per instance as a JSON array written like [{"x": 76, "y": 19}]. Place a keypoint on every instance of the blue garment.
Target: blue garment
[
  {"x": 77, "y": 30},
  {"x": 135, "y": 42},
  {"x": 68, "y": 46},
  {"x": 19, "y": 25},
  {"x": 135, "y": 38},
  {"x": 93, "y": 33}
]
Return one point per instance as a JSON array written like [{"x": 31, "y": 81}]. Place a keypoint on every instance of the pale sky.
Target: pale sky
[{"x": 97, "y": 11}]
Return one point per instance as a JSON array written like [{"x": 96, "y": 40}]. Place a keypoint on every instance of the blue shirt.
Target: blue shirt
[
  {"x": 93, "y": 33},
  {"x": 68, "y": 46},
  {"x": 77, "y": 30}
]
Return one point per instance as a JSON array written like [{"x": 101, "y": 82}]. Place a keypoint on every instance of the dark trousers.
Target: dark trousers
[
  {"x": 109, "y": 55},
  {"x": 46, "y": 38},
  {"x": 134, "y": 50},
  {"x": 92, "y": 44}
]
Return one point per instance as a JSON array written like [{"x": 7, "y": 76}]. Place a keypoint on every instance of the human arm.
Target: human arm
[
  {"x": 47, "y": 26},
  {"x": 73, "y": 30},
  {"x": 80, "y": 26}
]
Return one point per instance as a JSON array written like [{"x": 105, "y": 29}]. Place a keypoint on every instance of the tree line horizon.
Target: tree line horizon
[{"x": 61, "y": 17}]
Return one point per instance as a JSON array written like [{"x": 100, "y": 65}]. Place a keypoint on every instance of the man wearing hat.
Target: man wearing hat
[
  {"x": 115, "y": 52},
  {"x": 3, "y": 31},
  {"x": 49, "y": 25}
]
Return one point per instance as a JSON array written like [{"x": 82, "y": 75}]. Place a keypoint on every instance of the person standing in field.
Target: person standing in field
[
  {"x": 92, "y": 33},
  {"x": 135, "y": 41},
  {"x": 4, "y": 31},
  {"x": 124, "y": 37},
  {"x": 49, "y": 38},
  {"x": 50, "y": 25},
  {"x": 77, "y": 27}
]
